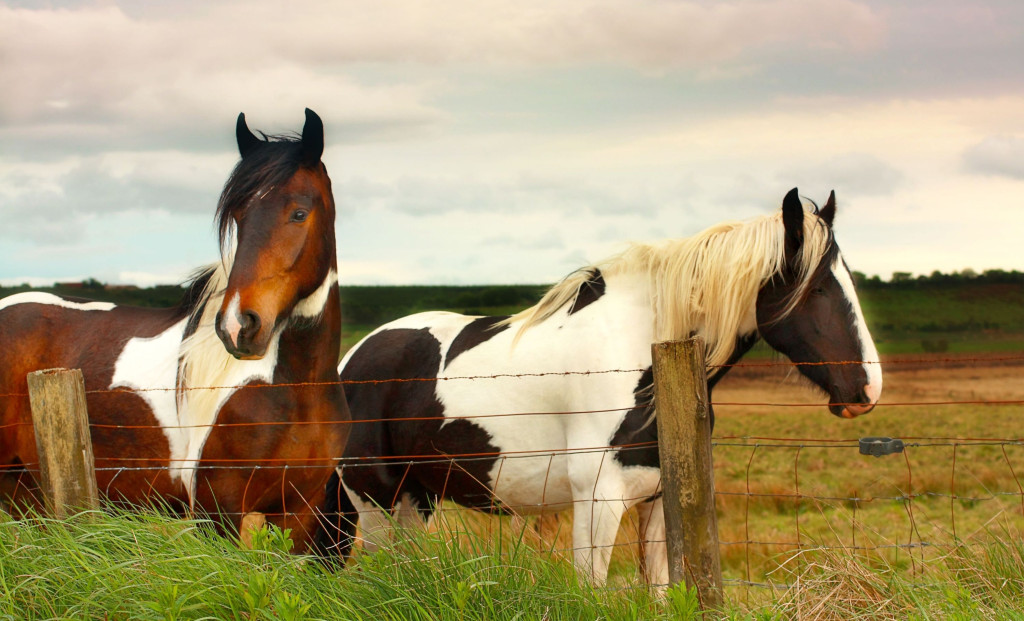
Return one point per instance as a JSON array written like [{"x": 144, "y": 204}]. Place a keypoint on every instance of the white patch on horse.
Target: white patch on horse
[
  {"x": 224, "y": 375},
  {"x": 228, "y": 246},
  {"x": 869, "y": 354},
  {"x": 549, "y": 448},
  {"x": 313, "y": 305},
  {"x": 229, "y": 322},
  {"x": 39, "y": 297},
  {"x": 150, "y": 366},
  {"x": 209, "y": 375}
]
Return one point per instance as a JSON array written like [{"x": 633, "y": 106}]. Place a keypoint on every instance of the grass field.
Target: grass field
[
  {"x": 957, "y": 482},
  {"x": 792, "y": 484},
  {"x": 823, "y": 524}
]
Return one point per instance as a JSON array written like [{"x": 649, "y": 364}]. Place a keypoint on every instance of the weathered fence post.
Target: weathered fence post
[
  {"x": 66, "y": 465},
  {"x": 688, "y": 484}
]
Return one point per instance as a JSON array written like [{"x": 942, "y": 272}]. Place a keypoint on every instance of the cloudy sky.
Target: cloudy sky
[{"x": 494, "y": 141}]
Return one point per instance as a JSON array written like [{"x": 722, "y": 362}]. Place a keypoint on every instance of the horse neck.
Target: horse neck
[
  {"x": 675, "y": 315},
  {"x": 308, "y": 343}
]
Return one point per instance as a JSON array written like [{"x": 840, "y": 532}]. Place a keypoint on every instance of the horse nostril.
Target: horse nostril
[{"x": 249, "y": 322}]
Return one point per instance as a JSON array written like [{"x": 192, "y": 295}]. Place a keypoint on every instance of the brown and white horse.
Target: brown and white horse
[{"x": 229, "y": 403}]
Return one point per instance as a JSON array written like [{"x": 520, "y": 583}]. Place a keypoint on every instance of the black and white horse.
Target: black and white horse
[{"x": 780, "y": 277}]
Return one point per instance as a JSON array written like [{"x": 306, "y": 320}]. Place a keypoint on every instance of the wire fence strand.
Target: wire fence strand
[{"x": 809, "y": 499}]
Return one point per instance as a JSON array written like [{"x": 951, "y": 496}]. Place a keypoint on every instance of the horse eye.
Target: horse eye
[{"x": 299, "y": 215}]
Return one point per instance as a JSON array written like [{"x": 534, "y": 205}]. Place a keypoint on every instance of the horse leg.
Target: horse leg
[
  {"x": 653, "y": 548},
  {"x": 598, "y": 507},
  {"x": 338, "y": 518},
  {"x": 414, "y": 512},
  {"x": 375, "y": 524},
  {"x": 19, "y": 491}
]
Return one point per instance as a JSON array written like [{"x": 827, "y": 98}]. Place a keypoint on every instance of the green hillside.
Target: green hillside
[{"x": 942, "y": 312}]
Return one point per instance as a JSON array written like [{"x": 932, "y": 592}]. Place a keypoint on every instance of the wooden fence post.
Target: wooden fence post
[
  {"x": 688, "y": 484},
  {"x": 66, "y": 464}
]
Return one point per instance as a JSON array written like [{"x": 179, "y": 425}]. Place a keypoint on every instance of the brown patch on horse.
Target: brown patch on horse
[{"x": 128, "y": 442}]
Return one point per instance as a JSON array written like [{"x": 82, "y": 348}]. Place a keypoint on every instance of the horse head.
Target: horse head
[
  {"x": 276, "y": 218},
  {"x": 809, "y": 311}
]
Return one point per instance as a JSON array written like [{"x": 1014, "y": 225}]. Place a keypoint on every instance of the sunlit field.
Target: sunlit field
[{"x": 793, "y": 487}]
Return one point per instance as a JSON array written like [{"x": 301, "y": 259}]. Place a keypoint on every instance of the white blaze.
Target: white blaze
[
  {"x": 869, "y": 355},
  {"x": 230, "y": 323}
]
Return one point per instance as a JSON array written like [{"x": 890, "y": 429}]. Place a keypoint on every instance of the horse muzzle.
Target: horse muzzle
[
  {"x": 241, "y": 333},
  {"x": 849, "y": 408}
]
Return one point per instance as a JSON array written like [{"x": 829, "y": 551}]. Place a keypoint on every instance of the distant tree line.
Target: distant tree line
[
  {"x": 365, "y": 305},
  {"x": 374, "y": 305},
  {"x": 906, "y": 280}
]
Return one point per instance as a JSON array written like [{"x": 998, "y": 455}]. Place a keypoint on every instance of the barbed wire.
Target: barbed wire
[
  {"x": 775, "y": 363},
  {"x": 906, "y": 497},
  {"x": 442, "y": 458}
]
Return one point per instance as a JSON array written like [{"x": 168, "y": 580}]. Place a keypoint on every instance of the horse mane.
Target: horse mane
[
  {"x": 273, "y": 163},
  {"x": 706, "y": 284},
  {"x": 202, "y": 359}
]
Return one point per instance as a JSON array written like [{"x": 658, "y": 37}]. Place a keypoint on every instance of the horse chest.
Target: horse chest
[{"x": 149, "y": 366}]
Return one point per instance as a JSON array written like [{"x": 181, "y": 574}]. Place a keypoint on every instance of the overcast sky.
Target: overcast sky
[{"x": 492, "y": 141}]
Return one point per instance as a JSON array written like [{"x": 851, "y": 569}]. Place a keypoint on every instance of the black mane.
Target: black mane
[
  {"x": 273, "y": 163},
  {"x": 195, "y": 297}
]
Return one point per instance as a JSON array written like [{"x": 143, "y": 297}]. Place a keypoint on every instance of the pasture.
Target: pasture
[
  {"x": 795, "y": 497},
  {"x": 837, "y": 550},
  {"x": 808, "y": 526}
]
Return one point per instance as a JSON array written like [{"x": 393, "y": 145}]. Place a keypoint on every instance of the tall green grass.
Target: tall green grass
[{"x": 144, "y": 566}]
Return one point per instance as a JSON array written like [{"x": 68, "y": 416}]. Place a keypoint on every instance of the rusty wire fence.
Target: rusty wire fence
[{"x": 778, "y": 495}]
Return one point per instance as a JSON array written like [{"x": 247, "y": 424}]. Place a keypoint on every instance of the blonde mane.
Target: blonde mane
[
  {"x": 706, "y": 284},
  {"x": 202, "y": 359}
]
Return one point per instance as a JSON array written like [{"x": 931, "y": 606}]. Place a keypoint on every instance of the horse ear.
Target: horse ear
[
  {"x": 312, "y": 138},
  {"x": 247, "y": 141},
  {"x": 828, "y": 212},
  {"x": 793, "y": 223}
]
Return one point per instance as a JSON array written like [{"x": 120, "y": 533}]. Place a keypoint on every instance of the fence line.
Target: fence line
[
  {"x": 774, "y": 363},
  {"x": 728, "y": 442}
]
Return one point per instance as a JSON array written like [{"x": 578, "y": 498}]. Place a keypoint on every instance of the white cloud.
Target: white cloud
[
  {"x": 150, "y": 279},
  {"x": 563, "y": 128},
  {"x": 526, "y": 193},
  {"x": 852, "y": 174},
  {"x": 642, "y": 33},
  {"x": 99, "y": 64},
  {"x": 97, "y": 75},
  {"x": 997, "y": 155},
  {"x": 53, "y": 202}
]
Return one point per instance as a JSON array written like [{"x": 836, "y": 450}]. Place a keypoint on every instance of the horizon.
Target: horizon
[{"x": 895, "y": 277}]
